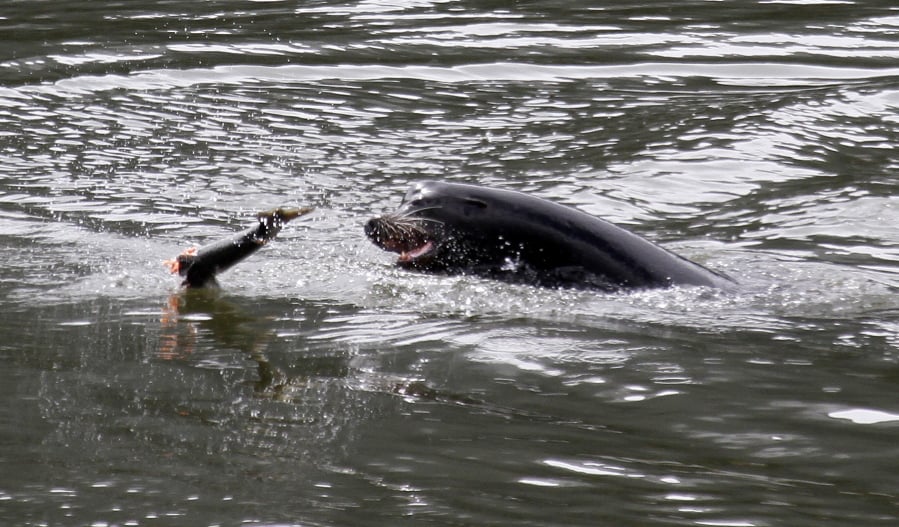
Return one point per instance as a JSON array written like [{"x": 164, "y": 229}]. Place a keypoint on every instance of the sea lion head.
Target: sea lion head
[{"x": 438, "y": 227}]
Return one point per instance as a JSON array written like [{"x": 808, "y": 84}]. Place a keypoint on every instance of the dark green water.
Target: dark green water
[{"x": 324, "y": 387}]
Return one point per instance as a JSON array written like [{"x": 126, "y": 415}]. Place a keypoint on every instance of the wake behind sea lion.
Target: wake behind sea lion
[
  {"x": 456, "y": 228},
  {"x": 199, "y": 267}
]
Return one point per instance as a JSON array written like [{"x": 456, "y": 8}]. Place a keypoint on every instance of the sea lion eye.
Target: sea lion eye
[
  {"x": 414, "y": 193},
  {"x": 476, "y": 203}
]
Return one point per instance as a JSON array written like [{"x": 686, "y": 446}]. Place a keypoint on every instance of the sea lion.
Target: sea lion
[
  {"x": 199, "y": 267},
  {"x": 457, "y": 228}
]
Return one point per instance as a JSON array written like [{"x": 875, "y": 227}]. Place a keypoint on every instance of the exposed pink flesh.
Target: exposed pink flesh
[{"x": 405, "y": 256}]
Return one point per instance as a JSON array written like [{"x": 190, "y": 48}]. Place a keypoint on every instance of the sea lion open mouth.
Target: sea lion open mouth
[
  {"x": 406, "y": 236},
  {"x": 408, "y": 256}
]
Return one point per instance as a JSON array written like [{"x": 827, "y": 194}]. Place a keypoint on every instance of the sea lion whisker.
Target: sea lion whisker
[
  {"x": 399, "y": 230},
  {"x": 405, "y": 219},
  {"x": 432, "y": 220},
  {"x": 410, "y": 223},
  {"x": 406, "y": 230},
  {"x": 390, "y": 230}
]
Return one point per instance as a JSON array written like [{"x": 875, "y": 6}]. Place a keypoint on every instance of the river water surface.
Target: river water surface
[{"x": 321, "y": 386}]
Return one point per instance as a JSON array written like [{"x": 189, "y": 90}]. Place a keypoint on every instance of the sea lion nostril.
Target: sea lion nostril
[{"x": 373, "y": 228}]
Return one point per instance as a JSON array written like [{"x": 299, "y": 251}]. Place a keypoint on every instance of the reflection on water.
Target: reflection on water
[{"x": 324, "y": 386}]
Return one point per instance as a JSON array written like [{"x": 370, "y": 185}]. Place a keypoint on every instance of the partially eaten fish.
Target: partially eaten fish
[{"x": 199, "y": 267}]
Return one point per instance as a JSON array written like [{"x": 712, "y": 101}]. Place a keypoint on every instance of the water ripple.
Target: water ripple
[{"x": 756, "y": 138}]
